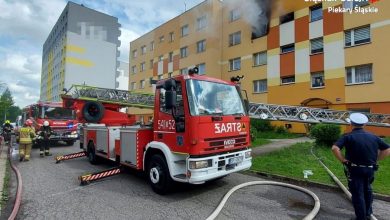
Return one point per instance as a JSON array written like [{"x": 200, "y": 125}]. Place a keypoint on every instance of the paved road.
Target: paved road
[{"x": 52, "y": 191}]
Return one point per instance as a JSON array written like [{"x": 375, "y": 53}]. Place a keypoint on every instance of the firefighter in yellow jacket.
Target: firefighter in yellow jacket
[{"x": 26, "y": 134}]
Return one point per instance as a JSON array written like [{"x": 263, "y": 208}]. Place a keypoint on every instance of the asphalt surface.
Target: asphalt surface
[{"x": 52, "y": 191}]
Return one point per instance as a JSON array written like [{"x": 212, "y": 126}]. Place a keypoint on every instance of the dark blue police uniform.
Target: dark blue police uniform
[{"x": 361, "y": 150}]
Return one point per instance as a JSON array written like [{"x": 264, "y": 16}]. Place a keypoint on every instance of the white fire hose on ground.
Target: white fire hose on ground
[{"x": 310, "y": 216}]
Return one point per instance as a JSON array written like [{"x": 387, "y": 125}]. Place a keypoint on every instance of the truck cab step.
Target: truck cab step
[{"x": 181, "y": 176}]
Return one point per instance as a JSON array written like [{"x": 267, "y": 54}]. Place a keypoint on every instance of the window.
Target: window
[
  {"x": 142, "y": 67},
  {"x": 161, "y": 39},
  {"x": 201, "y": 46},
  {"x": 142, "y": 84},
  {"x": 287, "y": 18},
  {"x": 202, "y": 68},
  {"x": 260, "y": 86},
  {"x": 317, "y": 45},
  {"x": 184, "y": 71},
  {"x": 160, "y": 58},
  {"x": 170, "y": 57},
  {"x": 134, "y": 69},
  {"x": 360, "y": 3},
  {"x": 235, "y": 64},
  {"x": 184, "y": 30},
  {"x": 357, "y": 36},
  {"x": 259, "y": 58},
  {"x": 134, "y": 53},
  {"x": 171, "y": 37},
  {"x": 235, "y": 38},
  {"x": 170, "y": 75},
  {"x": 317, "y": 80},
  {"x": 235, "y": 14},
  {"x": 287, "y": 48},
  {"x": 359, "y": 74},
  {"x": 151, "y": 45},
  {"x": 151, "y": 64},
  {"x": 288, "y": 80},
  {"x": 183, "y": 52},
  {"x": 201, "y": 22},
  {"x": 133, "y": 86},
  {"x": 160, "y": 77},
  {"x": 316, "y": 13},
  {"x": 143, "y": 49},
  {"x": 150, "y": 81}
]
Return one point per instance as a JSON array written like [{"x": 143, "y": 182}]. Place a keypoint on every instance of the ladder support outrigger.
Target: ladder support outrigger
[{"x": 88, "y": 178}]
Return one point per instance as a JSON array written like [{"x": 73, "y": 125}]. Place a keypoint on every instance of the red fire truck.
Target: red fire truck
[
  {"x": 61, "y": 120},
  {"x": 200, "y": 130}
]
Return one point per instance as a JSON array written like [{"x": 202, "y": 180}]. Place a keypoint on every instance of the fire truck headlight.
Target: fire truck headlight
[
  {"x": 73, "y": 132},
  {"x": 248, "y": 154},
  {"x": 200, "y": 164}
]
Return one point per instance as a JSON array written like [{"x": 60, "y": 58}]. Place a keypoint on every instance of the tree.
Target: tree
[{"x": 7, "y": 106}]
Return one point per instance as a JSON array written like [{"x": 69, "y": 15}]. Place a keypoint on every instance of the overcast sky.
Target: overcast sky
[{"x": 25, "y": 24}]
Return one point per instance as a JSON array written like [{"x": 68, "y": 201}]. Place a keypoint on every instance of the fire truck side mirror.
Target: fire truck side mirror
[{"x": 170, "y": 99}]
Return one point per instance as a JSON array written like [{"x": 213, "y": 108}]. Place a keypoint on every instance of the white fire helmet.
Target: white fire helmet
[{"x": 45, "y": 123}]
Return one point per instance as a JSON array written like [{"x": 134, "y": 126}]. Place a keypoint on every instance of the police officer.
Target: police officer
[
  {"x": 26, "y": 134},
  {"x": 45, "y": 133},
  {"x": 360, "y": 162}
]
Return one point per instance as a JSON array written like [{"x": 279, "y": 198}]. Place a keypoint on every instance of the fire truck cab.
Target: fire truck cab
[
  {"x": 200, "y": 131},
  {"x": 61, "y": 120}
]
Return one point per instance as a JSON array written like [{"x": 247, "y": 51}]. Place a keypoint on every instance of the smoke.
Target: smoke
[{"x": 256, "y": 13}]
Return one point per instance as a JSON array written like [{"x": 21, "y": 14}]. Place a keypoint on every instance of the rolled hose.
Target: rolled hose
[
  {"x": 310, "y": 216},
  {"x": 336, "y": 180}
]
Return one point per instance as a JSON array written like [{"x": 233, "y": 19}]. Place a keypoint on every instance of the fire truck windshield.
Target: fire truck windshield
[
  {"x": 210, "y": 98},
  {"x": 56, "y": 113}
]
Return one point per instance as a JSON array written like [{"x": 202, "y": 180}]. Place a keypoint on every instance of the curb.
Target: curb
[{"x": 378, "y": 196}]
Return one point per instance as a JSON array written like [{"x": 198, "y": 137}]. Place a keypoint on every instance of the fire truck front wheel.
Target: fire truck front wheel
[{"x": 158, "y": 175}]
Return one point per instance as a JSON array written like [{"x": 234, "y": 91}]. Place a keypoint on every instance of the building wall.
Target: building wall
[
  {"x": 300, "y": 63},
  {"x": 81, "y": 49}
]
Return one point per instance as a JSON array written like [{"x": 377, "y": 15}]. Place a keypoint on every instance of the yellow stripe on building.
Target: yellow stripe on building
[
  {"x": 81, "y": 62},
  {"x": 335, "y": 73},
  {"x": 74, "y": 48}
]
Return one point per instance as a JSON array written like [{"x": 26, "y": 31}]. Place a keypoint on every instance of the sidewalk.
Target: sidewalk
[
  {"x": 278, "y": 144},
  {"x": 3, "y": 163}
]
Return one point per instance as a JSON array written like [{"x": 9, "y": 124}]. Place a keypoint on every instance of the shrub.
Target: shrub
[
  {"x": 325, "y": 134},
  {"x": 280, "y": 130},
  {"x": 261, "y": 125}
]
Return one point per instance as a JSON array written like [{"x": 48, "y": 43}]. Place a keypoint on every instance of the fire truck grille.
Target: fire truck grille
[{"x": 220, "y": 143}]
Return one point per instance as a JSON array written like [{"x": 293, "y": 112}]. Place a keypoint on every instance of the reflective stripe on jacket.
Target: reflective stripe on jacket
[{"x": 26, "y": 134}]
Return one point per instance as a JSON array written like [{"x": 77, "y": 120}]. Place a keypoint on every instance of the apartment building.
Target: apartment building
[
  {"x": 82, "y": 48},
  {"x": 304, "y": 54}
]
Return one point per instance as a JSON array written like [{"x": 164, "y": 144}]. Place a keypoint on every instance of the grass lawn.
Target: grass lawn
[
  {"x": 259, "y": 142},
  {"x": 275, "y": 135},
  {"x": 293, "y": 160}
]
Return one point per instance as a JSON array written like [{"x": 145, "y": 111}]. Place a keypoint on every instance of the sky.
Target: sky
[{"x": 25, "y": 25}]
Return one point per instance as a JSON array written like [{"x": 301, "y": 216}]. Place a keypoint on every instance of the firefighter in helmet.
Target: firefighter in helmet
[
  {"x": 45, "y": 133},
  {"x": 7, "y": 129},
  {"x": 26, "y": 134}
]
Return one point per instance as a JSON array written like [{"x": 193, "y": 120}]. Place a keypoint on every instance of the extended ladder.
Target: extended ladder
[
  {"x": 311, "y": 115},
  {"x": 256, "y": 110},
  {"x": 113, "y": 96}
]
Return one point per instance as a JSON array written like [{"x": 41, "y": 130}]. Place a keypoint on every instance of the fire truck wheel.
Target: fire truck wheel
[
  {"x": 92, "y": 158},
  {"x": 70, "y": 143},
  {"x": 158, "y": 175},
  {"x": 93, "y": 112}
]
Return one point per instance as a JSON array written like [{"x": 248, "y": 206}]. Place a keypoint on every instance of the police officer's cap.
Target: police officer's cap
[{"x": 358, "y": 119}]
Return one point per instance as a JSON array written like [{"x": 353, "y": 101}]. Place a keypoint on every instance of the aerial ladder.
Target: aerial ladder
[
  {"x": 91, "y": 100},
  {"x": 263, "y": 111}
]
